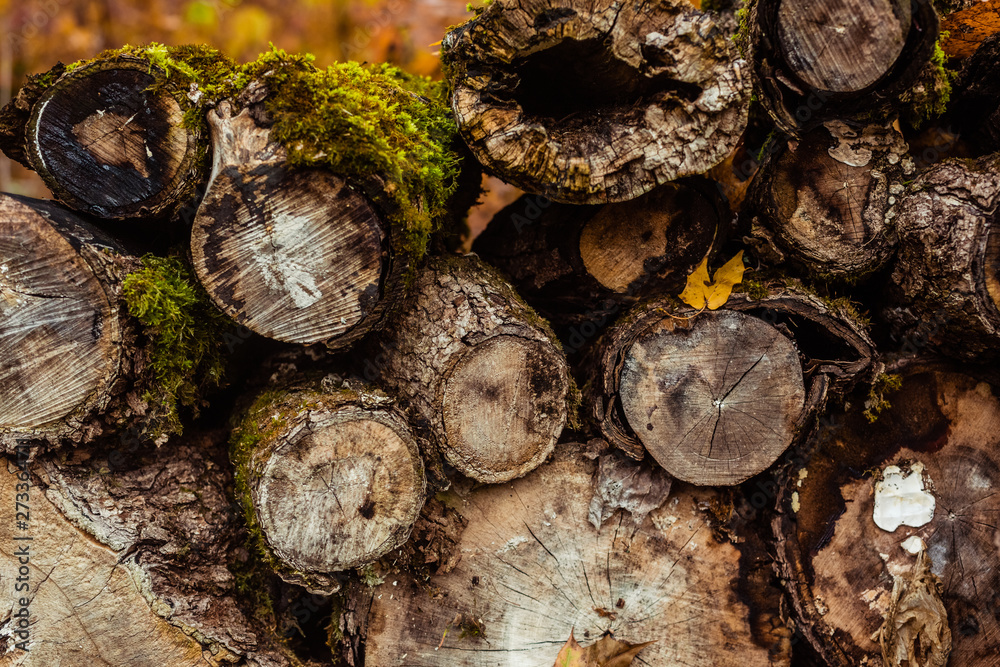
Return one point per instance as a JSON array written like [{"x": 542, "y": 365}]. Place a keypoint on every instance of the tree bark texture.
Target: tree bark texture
[
  {"x": 71, "y": 362},
  {"x": 945, "y": 275},
  {"x": 715, "y": 397},
  {"x": 292, "y": 254},
  {"x": 976, "y": 107},
  {"x": 539, "y": 563},
  {"x": 485, "y": 379},
  {"x": 114, "y": 122},
  {"x": 875, "y": 498},
  {"x": 579, "y": 264},
  {"x": 331, "y": 478},
  {"x": 840, "y": 59},
  {"x": 131, "y": 561},
  {"x": 595, "y": 104},
  {"x": 821, "y": 202}
]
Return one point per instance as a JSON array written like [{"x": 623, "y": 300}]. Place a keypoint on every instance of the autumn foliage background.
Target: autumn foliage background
[{"x": 36, "y": 34}]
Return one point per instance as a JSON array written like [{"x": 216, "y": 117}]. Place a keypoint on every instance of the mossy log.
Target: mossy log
[
  {"x": 715, "y": 397},
  {"x": 877, "y": 498},
  {"x": 485, "y": 379},
  {"x": 814, "y": 61},
  {"x": 330, "y": 477},
  {"x": 67, "y": 343},
  {"x": 131, "y": 560},
  {"x": 536, "y": 568},
  {"x": 580, "y": 264},
  {"x": 597, "y": 103},
  {"x": 944, "y": 290},
  {"x": 109, "y": 139},
  {"x": 820, "y": 201}
]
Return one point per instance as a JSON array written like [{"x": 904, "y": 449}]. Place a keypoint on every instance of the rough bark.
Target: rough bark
[
  {"x": 976, "y": 105},
  {"x": 108, "y": 139},
  {"x": 483, "y": 375},
  {"x": 821, "y": 202},
  {"x": 840, "y": 59},
  {"x": 579, "y": 264},
  {"x": 841, "y": 567},
  {"x": 331, "y": 479},
  {"x": 292, "y": 254},
  {"x": 69, "y": 350},
  {"x": 946, "y": 271},
  {"x": 715, "y": 397},
  {"x": 595, "y": 104},
  {"x": 132, "y": 557},
  {"x": 534, "y": 568}
]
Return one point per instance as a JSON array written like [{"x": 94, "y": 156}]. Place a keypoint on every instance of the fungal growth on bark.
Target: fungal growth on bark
[
  {"x": 937, "y": 444},
  {"x": 480, "y": 370},
  {"x": 715, "y": 397},
  {"x": 598, "y": 103},
  {"x": 330, "y": 478}
]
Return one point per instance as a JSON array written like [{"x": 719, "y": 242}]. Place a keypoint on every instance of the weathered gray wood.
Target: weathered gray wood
[
  {"x": 596, "y": 103},
  {"x": 332, "y": 480},
  {"x": 478, "y": 368}
]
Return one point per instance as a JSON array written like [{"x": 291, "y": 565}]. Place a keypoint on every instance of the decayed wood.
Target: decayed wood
[
  {"x": 949, "y": 258},
  {"x": 535, "y": 568},
  {"x": 108, "y": 139},
  {"x": 129, "y": 560},
  {"x": 815, "y": 61},
  {"x": 66, "y": 343},
  {"x": 579, "y": 264},
  {"x": 292, "y": 254},
  {"x": 597, "y": 103},
  {"x": 841, "y": 567},
  {"x": 333, "y": 477},
  {"x": 715, "y": 397},
  {"x": 820, "y": 203},
  {"x": 483, "y": 375}
]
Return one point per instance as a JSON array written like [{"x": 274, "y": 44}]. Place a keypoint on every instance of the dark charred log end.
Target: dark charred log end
[
  {"x": 58, "y": 330},
  {"x": 110, "y": 123},
  {"x": 552, "y": 99}
]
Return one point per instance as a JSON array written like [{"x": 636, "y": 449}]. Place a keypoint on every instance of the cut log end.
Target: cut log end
[
  {"x": 57, "y": 327},
  {"x": 504, "y": 407},
  {"x": 715, "y": 403},
  {"x": 844, "y": 45},
  {"x": 294, "y": 255},
  {"x": 108, "y": 123}
]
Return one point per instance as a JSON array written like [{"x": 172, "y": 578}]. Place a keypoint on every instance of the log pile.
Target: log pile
[{"x": 681, "y": 406}]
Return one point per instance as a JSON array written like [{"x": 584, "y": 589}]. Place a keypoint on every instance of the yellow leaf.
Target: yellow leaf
[{"x": 700, "y": 293}]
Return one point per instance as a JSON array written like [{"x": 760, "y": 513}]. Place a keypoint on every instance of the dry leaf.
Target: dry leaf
[
  {"x": 968, "y": 28},
  {"x": 637, "y": 487},
  {"x": 915, "y": 631},
  {"x": 605, "y": 652},
  {"x": 700, "y": 293}
]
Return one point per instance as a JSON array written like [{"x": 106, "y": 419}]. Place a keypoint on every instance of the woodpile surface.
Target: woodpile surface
[{"x": 719, "y": 388}]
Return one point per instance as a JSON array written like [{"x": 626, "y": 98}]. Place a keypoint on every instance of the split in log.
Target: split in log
[
  {"x": 716, "y": 397},
  {"x": 483, "y": 375},
  {"x": 330, "y": 478},
  {"x": 579, "y": 264},
  {"x": 838, "y": 59},
  {"x": 325, "y": 187},
  {"x": 944, "y": 287},
  {"x": 120, "y": 136},
  {"x": 821, "y": 202},
  {"x": 872, "y": 501},
  {"x": 127, "y": 561},
  {"x": 598, "y": 103},
  {"x": 534, "y": 569}
]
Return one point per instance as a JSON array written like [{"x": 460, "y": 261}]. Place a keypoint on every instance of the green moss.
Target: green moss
[
  {"x": 882, "y": 385},
  {"x": 184, "y": 331},
  {"x": 365, "y": 121},
  {"x": 846, "y": 306},
  {"x": 928, "y": 98},
  {"x": 754, "y": 289},
  {"x": 370, "y": 577},
  {"x": 742, "y": 36}
]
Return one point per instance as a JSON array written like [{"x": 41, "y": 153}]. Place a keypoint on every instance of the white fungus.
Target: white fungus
[{"x": 902, "y": 501}]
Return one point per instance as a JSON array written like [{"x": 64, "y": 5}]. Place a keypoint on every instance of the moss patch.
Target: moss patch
[
  {"x": 184, "y": 331},
  {"x": 882, "y": 385},
  {"x": 928, "y": 98},
  {"x": 361, "y": 121}
]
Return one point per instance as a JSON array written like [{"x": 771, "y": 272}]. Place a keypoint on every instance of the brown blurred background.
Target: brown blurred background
[{"x": 36, "y": 34}]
